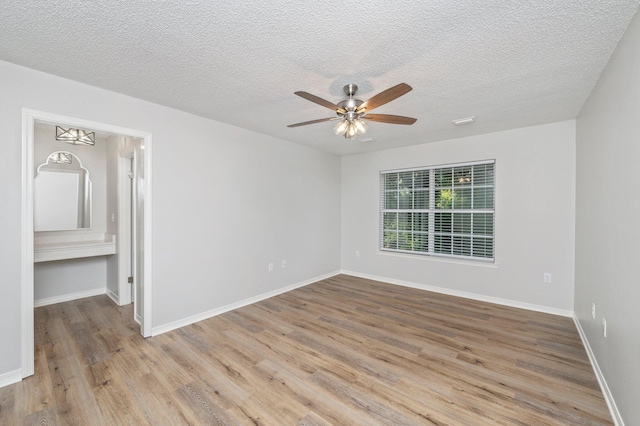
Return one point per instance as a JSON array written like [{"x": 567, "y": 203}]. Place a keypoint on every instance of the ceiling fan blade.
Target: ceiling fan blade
[
  {"x": 320, "y": 101},
  {"x": 384, "y": 97},
  {"x": 392, "y": 119},
  {"x": 320, "y": 120}
]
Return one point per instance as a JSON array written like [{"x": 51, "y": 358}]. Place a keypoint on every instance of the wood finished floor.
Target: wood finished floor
[{"x": 342, "y": 351}]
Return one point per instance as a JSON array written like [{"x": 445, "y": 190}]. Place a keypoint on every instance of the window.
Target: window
[{"x": 439, "y": 211}]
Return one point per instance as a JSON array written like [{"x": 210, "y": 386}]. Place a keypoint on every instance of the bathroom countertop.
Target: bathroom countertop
[{"x": 69, "y": 246}]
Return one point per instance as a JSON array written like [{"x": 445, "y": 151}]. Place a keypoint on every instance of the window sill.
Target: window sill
[{"x": 418, "y": 257}]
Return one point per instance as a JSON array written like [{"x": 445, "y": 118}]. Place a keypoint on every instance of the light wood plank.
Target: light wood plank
[{"x": 343, "y": 351}]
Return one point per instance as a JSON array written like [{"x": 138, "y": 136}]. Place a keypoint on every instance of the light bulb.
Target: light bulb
[
  {"x": 361, "y": 126},
  {"x": 340, "y": 128},
  {"x": 352, "y": 131}
]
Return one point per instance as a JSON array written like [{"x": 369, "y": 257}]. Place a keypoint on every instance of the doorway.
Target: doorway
[{"x": 141, "y": 234}]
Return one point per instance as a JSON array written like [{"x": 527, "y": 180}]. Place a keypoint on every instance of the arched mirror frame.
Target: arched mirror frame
[{"x": 84, "y": 201}]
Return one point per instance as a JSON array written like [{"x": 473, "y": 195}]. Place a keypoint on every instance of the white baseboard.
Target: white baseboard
[
  {"x": 10, "y": 378},
  {"x": 212, "y": 313},
  {"x": 613, "y": 408},
  {"x": 113, "y": 297},
  {"x": 466, "y": 295},
  {"x": 68, "y": 297}
]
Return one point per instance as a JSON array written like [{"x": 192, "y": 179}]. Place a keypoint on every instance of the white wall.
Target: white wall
[
  {"x": 226, "y": 202},
  {"x": 62, "y": 278},
  {"x": 607, "y": 222},
  {"x": 535, "y": 198}
]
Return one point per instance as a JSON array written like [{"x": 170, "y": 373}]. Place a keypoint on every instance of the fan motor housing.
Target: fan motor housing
[{"x": 350, "y": 104}]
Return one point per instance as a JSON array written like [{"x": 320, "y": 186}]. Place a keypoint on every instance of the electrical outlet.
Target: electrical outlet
[
  {"x": 604, "y": 327},
  {"x": 271, "y": 267},
  {"x": 357, "y": 253},
  {"x": 284, "y": 264},
  {"x": 593, "y": 310},
  {"x": 546, "y": 277}
]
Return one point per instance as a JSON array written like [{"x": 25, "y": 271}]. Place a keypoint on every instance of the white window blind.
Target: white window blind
[{"x": 441, "y": 211}]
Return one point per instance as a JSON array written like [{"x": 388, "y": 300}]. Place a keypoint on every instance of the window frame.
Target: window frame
[{"x": 431, "y": 244}]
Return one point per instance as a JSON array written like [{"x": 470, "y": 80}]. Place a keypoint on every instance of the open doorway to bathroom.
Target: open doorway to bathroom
[{"x": 108, "y": 241}]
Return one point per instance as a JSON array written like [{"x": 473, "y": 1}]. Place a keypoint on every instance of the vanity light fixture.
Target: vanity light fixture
[
  {"x": 75, "y": 136},
  {"x": 60, "y": 158}
]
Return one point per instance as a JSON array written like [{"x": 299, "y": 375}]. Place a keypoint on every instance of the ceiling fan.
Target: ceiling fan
[{"x": 352, "y": 112}]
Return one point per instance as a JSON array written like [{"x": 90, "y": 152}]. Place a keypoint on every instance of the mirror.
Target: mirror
[{"x": 62, "y": 194}]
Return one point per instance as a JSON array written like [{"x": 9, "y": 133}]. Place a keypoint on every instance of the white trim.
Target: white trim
[
  {"x": 113, "y": 296},
  {"x": 212, "y": 313},
  {"x": 608, "y": 396},
  {"x": 69, "y": 297},
  {"x": 444, "y": 165},
  {"x": 10, "y": 378},
  {"x": 147, "y": 240},
  {"x": 27, "y": 345},
  {"x": 466, "y": 295},
  {"x": 439, "y": 258},
  {"x": 124, "y": 232},
  {"x": 29, "y": 118}
]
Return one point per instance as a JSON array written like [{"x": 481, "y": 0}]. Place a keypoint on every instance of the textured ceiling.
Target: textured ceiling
[{"x": 510, "y": 64}]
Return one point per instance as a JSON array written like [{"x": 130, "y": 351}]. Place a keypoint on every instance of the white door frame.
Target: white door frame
[
  {"x": 29, "y": 118},
  {"x": 126, "y": 215}
]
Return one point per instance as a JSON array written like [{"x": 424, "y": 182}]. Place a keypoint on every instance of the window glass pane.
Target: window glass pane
[
  {"x": 443, "y": 177},
  {"x": 444, "y": 198},
  {"x": 421, "y": 200},
  {"x": 404, "y": 221},
  {"x": 483, "y": 198},
  {"x": 391, "y": 200},
  {"x": 442, "y": 222},
  {"x": 390, "y": 239},
  {"x": 421, "y": 222},
  {"x": 405, "y": 180},
  {"x": 405, "y": 241},
  {"x": 390, "y": 181},
  {"x": 462, "y": 198},
  {"x": 483, "y": 223},
  {"x": 405, "y": 200},
  {"x": 421, "y": 242},
  {"x": 461, "y": 223},
  {"x": 462, "y": 176},
  {"x": 421, "y": 179},
  {"x": 483, "y": 174},
  {"x": 442, "y": 244},
  {"x": 461, "y": 246},
  {"x": 482, "y": 247},
  {"x": 390, "y": 221}
]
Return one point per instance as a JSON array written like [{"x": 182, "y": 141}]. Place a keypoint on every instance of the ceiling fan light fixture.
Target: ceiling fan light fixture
[
  {"x": 353, "y": 112},
  {"x": 349, "y": 129}
]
